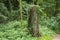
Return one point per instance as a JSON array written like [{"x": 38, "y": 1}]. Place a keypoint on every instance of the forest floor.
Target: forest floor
[{"x": 56, "y": 37}]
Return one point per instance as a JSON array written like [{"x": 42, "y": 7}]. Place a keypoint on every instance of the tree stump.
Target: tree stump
[{"x": 33, "y": 26}]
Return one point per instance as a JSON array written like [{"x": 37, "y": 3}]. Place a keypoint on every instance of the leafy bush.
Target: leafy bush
[
  {"x": 14, "y": 31},
  {"x": 52, "y": 23},
  {"x": 46, "y": 38}
]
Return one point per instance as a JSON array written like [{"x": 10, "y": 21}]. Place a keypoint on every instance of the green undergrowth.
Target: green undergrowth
[{"x": 14, "y": 31}]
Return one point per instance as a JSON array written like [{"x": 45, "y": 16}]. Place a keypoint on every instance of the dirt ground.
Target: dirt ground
[{"x": 56, "y": 37}]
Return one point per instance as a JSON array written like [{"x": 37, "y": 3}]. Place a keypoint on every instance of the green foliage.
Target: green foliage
[
  {"x": 10, "y": 26},
  {"x": 52, "y": 23},
  {"x": 46, "y": 38},
  {"x": 13, "y": 31}
]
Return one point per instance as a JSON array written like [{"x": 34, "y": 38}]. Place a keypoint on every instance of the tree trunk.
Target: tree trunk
[{"x": 33, "y": 22}]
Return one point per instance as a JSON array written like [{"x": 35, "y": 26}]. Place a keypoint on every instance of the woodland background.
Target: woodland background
[{"x": 14, "y": 16}]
